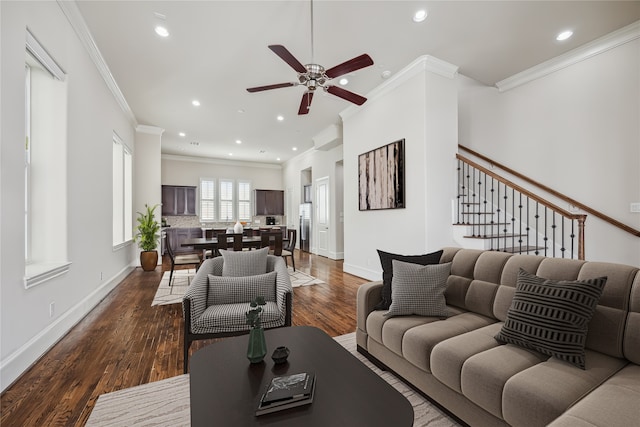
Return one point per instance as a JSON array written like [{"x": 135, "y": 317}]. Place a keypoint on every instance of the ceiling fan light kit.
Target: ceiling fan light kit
[{"x": 314, "y": 76}]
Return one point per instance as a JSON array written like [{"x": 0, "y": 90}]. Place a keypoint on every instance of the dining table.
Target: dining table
[{"x": 204, "y": 243}]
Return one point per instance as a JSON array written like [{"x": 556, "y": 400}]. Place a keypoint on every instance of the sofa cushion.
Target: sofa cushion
[
  {"x": 607, "y": 405},
  {"x": 484, "y": 374},
  {"x": 419, "y": 341},
  {"x": 631, "y": 346},
  {"x": 552, "y": 316},
  {"x": 538, "y": 395},
  {"x": 386, "y": 260},
  {"x": 230, "y": 290},
  {"x": 448, "y": 356},
  {"x": 244, "y": 263},
  {"x": 418, "y": 289}
]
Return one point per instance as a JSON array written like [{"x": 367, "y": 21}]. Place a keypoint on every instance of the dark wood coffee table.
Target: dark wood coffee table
[{"x": 226, "y": 388}]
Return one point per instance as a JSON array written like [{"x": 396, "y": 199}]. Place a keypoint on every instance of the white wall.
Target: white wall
[
  {"x": 147, "y": 174},
  {"x": 26, "y": 330},
  {"x": 577, "y": 131},
  {"x": 322, "y": 164},
  {"x": 419, "y": 105}
]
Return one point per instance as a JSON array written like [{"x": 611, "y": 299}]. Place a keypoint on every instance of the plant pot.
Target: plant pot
[
  {"x": 257, "y": 348},
  {"x": 149, "y": 260}
]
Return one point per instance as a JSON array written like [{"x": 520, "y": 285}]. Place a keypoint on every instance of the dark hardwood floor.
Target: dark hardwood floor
[{"x": 124, "y": 342}]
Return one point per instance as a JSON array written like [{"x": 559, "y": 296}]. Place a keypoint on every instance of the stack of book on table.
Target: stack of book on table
[{"x": 287, "y": 392}]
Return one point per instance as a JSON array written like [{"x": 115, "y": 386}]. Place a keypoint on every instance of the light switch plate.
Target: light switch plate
[{"x": 635, "y": 207}]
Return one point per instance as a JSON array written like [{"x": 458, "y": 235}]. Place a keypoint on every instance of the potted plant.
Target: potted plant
[
  {"x": 147, "y": 238},
  {"x": 257, "y": 348}
]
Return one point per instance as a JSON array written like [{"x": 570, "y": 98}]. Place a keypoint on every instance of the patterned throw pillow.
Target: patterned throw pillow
[
  {"x": 417, "y": 289},
  {"x": 232, "y": 290},
  {"x": 244, "y": 263},
  {"x": 552, "y": 317},
  {"x": 386, "y": 260}
]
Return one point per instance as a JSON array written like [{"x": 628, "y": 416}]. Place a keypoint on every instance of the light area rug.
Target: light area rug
[
  {"x": 166, "y": 402},
  {"x": 182, "y": 278},
  {"x": 173, "y": 294}
]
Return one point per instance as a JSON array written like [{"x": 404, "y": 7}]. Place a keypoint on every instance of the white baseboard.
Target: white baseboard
[
  {"x": 18, "y": 362},
  {"x": 365, "y": 273}
]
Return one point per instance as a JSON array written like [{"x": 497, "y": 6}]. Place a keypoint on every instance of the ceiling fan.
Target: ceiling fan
[{"x": 315, "y": 76}]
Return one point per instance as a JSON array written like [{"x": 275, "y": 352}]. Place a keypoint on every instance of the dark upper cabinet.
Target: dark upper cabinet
[
  {"x": 269, "y": 202},
  {"x": 178, "y": 200}
]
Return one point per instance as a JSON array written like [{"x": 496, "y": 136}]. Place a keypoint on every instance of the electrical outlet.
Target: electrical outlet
[
  {"x": 635, "y": 207},
  {"x": 52, "y": 308}
]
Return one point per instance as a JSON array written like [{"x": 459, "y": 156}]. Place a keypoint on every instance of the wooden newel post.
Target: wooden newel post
[{"x": 581, "y": 220}]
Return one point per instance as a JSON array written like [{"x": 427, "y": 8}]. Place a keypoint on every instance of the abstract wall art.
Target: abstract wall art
[{"x": 381, "y": 177}]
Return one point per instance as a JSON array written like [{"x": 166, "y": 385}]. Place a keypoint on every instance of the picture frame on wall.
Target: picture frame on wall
[{"x": 381, "y": 177}]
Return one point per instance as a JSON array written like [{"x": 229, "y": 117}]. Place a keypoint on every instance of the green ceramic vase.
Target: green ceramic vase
[{"x": 257, "y": 349}]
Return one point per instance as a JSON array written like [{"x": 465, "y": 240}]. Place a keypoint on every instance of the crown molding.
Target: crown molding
[
  {"x": 610, "y": 41},
  {"x": 71, "y": 11},
  {"x": 213, "y": 161},
  {"x": 419, "y": 65},
  {"x": 151, "y": 130}
]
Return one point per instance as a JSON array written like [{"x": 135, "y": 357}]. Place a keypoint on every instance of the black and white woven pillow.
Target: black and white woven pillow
[
  {"x": 244, "y": 263},
  {"x": 552, "y": 317},
  {"x": 418, "y": 289},
  {"x": 231, "y": 290}
]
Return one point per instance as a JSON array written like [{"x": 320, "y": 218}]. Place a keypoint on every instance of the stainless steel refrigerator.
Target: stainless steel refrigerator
[{"x": 305, "y": 227}]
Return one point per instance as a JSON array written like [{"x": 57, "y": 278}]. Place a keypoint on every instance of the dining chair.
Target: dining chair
[
  {"x": 229, "y": 241},
  {"x": 287, "y": 251},
  {"x": 272, "y": 240},
  {"x": 186, "y": 259}
]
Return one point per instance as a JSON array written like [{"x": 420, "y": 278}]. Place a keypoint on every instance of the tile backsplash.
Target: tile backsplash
[{"x": 194, "y": 221}]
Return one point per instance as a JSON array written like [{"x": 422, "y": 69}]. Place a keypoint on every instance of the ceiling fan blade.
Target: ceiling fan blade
[
  {"x": 353, "y": 64},
  {"x": 345, "y": 94},
  {"x": 269, "y": 87},
  {"x": 287, "y": 57},
  {"x": 305, "y": 104}
]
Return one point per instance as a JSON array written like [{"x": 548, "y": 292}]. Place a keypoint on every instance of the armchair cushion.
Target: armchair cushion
[
  {"x": 231, "y": 318},
  {"x": 229, "y": 290},
  {"x": 244, "y": 263}
]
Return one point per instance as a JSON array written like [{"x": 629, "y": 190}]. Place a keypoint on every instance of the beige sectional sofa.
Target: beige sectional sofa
[{"x": 458, "y": 363}]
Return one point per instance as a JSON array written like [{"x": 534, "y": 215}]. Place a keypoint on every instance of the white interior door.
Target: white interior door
[{"x": 323, "y": 225}]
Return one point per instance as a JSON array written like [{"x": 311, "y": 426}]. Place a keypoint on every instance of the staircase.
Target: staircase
[{"x": 494, "y": 213}]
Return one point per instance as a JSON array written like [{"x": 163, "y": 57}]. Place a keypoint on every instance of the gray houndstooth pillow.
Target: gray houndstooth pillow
[
  {"x": 230, "y": 290},
  {"x": 552, "y": 317},
  {"x": 244, "y": 263},
  {"x": 418, "y": 289}
]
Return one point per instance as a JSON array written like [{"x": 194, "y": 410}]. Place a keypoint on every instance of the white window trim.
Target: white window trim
[
  {"x": 215, "y": 200},
  {"x": 125, "y": 150},
  {"x": 237, "y": 201},
  {"x": 36, "y": 274}
]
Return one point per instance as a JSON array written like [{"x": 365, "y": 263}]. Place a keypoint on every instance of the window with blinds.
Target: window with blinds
[
  {"x": 207, "y": 199},
  {"x": 226, "y": 200},
  {"x": 244, "y": 201}
]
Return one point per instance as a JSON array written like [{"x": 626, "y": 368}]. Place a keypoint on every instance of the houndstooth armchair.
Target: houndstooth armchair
[{"x": 214, "y": 305}]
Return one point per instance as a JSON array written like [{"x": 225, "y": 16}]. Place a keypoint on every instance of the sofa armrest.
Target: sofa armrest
[
  {"x": 197, "y": 292},
  {"x": 369, "y": 295},
  {"x": 284, "y": 290}
]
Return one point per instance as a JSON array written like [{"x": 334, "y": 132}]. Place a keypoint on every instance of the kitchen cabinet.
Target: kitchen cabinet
[
  {"x": 269, "y": 202},
  {"x": 178, "y": 200}
]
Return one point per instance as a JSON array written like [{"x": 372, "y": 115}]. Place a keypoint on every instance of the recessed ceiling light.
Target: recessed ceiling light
[
  {"x": 564, "y": 35},
  {"x": 231, "y": 154},
  {"x": 240, "y": 110},
  {"x": 420, "y": 16},
  {"x": 386, "y": 74},
  {"x": 278, "y": 159},
  {"x": 280, "y": 118},
  {"x": 344, "y": 81},
  {"x": 195, "y": 103},
  {"x": 182, "y": 134},
  {"x": 238, "y": 141},
  {"x": 162, "y": 31},
  {"x": 295, "y": 148}
]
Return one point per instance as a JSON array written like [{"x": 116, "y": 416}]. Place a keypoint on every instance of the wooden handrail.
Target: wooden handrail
[{"x": 557, "y": 194}]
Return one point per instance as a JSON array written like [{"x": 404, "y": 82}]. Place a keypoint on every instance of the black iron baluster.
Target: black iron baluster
[
  {"x": 520, "y": 225},
  {"x": 493, "y": 217},
  {"x": 458, "y": 190},
  {"x": 537, "y": 218},
  {"x": 562, "y": 236},
  {"x": 553, "y": 234},
  {"x": 546, "y": 237}
]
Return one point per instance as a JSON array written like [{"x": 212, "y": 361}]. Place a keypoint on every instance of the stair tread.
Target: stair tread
[
  {"x": 518, "y": 249},
  {"x": 495, "y": 236},
  {"x": 481, "y": 223}
]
